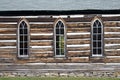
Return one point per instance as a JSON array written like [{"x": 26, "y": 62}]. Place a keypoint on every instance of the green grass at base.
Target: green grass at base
[{"x": 55, "y": 78}]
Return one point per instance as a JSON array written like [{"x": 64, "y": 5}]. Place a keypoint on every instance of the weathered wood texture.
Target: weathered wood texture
[{"x": 42, "y": 35}]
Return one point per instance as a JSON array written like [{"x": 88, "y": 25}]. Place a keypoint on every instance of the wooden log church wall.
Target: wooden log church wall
[{"x": 78, "y": 30}]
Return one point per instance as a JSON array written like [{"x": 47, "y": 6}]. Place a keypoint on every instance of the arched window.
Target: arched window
[
  {"x": 23, "y": 38},
  {"x": 97, "y": 38},
  {"x": 60, "y": 39}
]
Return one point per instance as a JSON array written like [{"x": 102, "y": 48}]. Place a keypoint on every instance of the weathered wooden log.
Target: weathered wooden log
[
  {"x": 78, "y": 30},
  {"x": 112, "y": 47},
  {"x": 78, "y": 36},
  {"x": 112, "y": 41},
  {"x": 112, "y": 53},
  {"x": 112, "y": 24},
  {"x": 39, "y": 26},
  {"x": 42, "y": 37},
  {"x": 8, "y": 37},
  {"x": 41, "y": 43},
  {"x": 79, "y": 59},
  {"x": 115, "y": 18},
  {"x": 112, "y": 29},
  {"x": 46, "y": 30},
  {"x": 42, "y": 55},
  {"x": 97, "y": 59},
  {"x": 111, "y": 35},
  {"x": 77, "y": 48},
  {"x": 78, "y": 54},
  {"x": 8, "y": 50},
  {"x": 78, "y": 25},
  {"x": 77, "y": 41},
  {"x": 33, "y": 50},
  {"x": 7, "y": 55},
  {"x": 8, "y": 44},
  {"x": 8, "y": 26},
  {"x": 113, "y": 60},
  {"x": 8, "y": 31}
]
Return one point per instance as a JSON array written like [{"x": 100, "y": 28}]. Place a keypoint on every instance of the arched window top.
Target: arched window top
[
  {"x": 97, "y": 23},
  {"x": 23, "y": 23}
]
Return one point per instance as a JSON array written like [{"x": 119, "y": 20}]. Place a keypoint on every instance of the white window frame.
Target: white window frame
[
  {"x": 102, "y": 38},
  {"x": 18, "y": 39},
  {"x": 55, "y": 38}
]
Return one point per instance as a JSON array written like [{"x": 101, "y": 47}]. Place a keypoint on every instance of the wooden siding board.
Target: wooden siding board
[
  {"x": 78, "y": 36},
  {"x": 39, "y": 26},
  {"x": 8, "y": 25},
  {"x": 78, "y": 25},
  {"x": 8, "y": 37},
  {"x": 41, "y": 30},
  {"x": 41, "y": 37},
  {"x": 8, "y": 31},
  {"x": 69, "y": 30}
]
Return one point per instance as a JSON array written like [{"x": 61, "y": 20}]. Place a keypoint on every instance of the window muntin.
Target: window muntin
[
  {"x": 60, "y": 39},
  {"x": 23, "y": 39},
  {"x": 97, "y": 38}
]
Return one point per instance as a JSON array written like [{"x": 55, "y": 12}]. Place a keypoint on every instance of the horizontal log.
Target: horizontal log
[
  {"x": 111, "y": 35},
  {"x": 77, "y": 54},
  {"x": 8, "y": 44},
  {"x": 42, "y": 37},
  {"x": 40, "y": 50},
  {"x": 79, "y": 59},
  {"x": 32, "y": 26},
  {"x": 113, "y": 47},
  {"x": 112, "y": 53},
  {"x": 7, "y": 55},
  {"x": 112, "y": 24},
  {"x": 77, "y": 48},
  {"x": 78, "y": 30},
  {"x": 78, "y": 25},
  {"x": 8, "y": 50},
  {"x": 78, "y": 36},
  {"x": 97, "y": 59},
  {"x": 112, "y": 41},
  {"x": 112, "y": 29},
  {"x": 8, "y": 31},
  {"x": 8, "y": 37},
  {"x": 42, "y": 55},
  {"x": 114, "y": 18},
  {"x": 8, "y": 25},
  {"x": 112, "y": 60},
  {"x": 70, "y": 41},
  {"x": 46, "y": 30},
  {"x": 41, "y": 43}
]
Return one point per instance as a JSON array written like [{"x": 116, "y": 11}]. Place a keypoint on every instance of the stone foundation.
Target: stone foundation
[
  {"x": 82, "y": 74},
  {"x": 61, "y": 70}
]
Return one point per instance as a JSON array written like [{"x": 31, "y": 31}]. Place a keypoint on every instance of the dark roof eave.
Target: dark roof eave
[{"x": 56, "y": 12}]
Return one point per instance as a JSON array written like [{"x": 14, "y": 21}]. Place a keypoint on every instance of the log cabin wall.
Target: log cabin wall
[{"x": 78, "y": 39}]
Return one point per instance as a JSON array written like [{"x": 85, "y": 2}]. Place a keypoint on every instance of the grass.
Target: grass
[{"x": 55, "y": 78}]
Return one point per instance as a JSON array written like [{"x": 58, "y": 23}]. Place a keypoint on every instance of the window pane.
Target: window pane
[
  {"x": 25, "y": 51},
  {"x": 99, "y": 44},
  {"x": 99, "y": 30},
  {"x": 62, "y": 31},
  {"x": 94, "y": 44},
  {"x": 21, "y": 31},
  {"x": 57, "y": 31},
  {"x": 21, "y": 38},
  {"x": 99, "y": 37},
  {"x": 99, "y": 51},
  {"x": 21, "y": 51},
  {"x": 57, "y": 51},
  {"x": 21, "y": 45},
  {"x": 94, "y": 37},
  {"x": 57, "y": 44},
  {"x": 94, "y": 30},
  {"x": 94, "y": 51},
  {"x": 57, "y": 38},
  {"x": 62, "y": 51},
  {"x": 25, "y": 38},
  {"x": 25, "y": 31}
]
